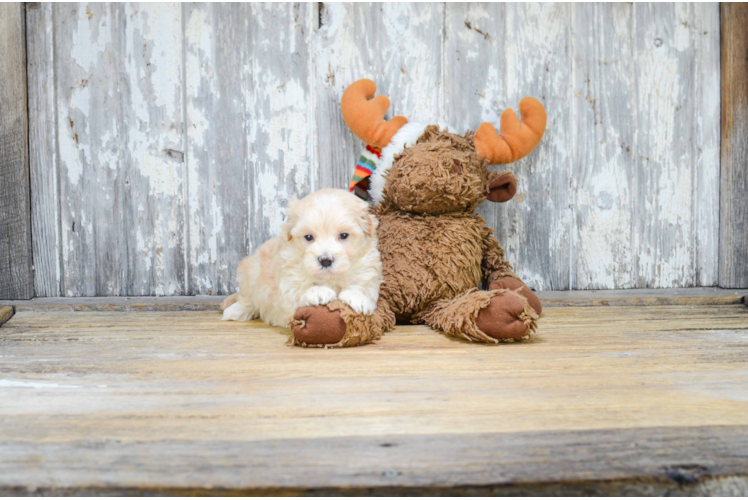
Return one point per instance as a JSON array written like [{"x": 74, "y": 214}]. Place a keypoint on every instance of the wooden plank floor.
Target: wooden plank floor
[{"x": 611, "y": 400}]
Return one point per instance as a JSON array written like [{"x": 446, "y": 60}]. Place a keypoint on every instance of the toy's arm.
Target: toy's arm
[{"x": 493, "y": 265}]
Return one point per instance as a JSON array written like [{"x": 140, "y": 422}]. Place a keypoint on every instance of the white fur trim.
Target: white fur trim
[{"x": 404, "y": 138}]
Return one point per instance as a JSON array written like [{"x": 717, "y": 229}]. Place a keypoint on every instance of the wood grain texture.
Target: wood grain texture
[
  {"x": 646, "y": 185},
  {"x": 487, "y": 71},
  {"x": 399, "y": 46},
  {"x": 733, "y": 220},
  {"x": 216, "y": 62},
  {"x": 705, "y": 149},
  {"x": 120, "y": 143},
  {"x": 16, "y": 275},
  {"x": 152, "y": 162},
  {"x": 643, "y": 297},
  {"x": 6, "y": 312},
  {"x": 179, "y": 400},
  {"x": 577, "y": 298},
  {"x": 604, "y": 115},
  {"x": 123, "y": 304},
  {"x": 700, "y": 461},
  {"x": 91, "y": 148},
  {"x": 43, "y": 152},
  {"x": 226, "y": 111},
  {"x": 704, "y": 487},
  {"x": 670, "y": 90},
  {"x": 250, "y": 130}
]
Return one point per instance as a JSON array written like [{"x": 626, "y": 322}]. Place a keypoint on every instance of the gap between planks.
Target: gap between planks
[{"x": 574, "y": 298}]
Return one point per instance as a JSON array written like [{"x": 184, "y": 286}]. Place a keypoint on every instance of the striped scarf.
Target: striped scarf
[{"x": 365, "y": 167}]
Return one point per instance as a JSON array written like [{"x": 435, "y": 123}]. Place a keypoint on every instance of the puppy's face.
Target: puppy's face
[{"x": 330, "y": 230}]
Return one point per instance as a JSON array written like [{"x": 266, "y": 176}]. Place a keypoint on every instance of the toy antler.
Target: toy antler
[
  {"x": 365, "y": 117},
  {"x": 517, "y": 139}
]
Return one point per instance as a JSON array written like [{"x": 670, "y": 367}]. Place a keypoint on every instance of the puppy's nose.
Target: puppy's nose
[{"x": 326, "y": 261}]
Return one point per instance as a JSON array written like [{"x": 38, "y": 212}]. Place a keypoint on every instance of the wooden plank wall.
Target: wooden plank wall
[
  {"x": 174, "y": 135},
  {"x": 16, "y": 275},
  {"x": 733, "y": 250}
]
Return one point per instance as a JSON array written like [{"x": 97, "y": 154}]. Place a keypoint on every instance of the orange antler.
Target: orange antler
[
  {"x": 517, "y": 138},
  {"x": 365, "y": 117}
]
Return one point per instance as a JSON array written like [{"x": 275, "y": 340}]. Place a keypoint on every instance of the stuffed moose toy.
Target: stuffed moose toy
[{"x": 425, "y": 183}]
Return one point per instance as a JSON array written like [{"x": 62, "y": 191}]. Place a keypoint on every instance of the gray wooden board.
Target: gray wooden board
[
  {"x": 733, "y": 248},
  {"x": 216, "y": 67},
  {"x": 646, "y": 194},
  {"x": 605, "y": 114},
  {"x": 43, "y": 153},
  {"x": 616, "y": 399},
  {"x": 250, "y": 131},
  {"x": 91, "y": 150},
  {"x": 399, "y": 46},
  {"x": 121, "y": 208},
  {"x": 650, "y": 461},
  {"x": 733, "y": 486},
  {"x": 683, "y": 488},
  {"x": 671, "y": 87},
  {"x": 6, "y": 312},
  {"x": 224, "y": 112},
  {"x": 16, "y": 278},
  {"x": 628, "y": 297},
  {"x": 487, "y": 71}
]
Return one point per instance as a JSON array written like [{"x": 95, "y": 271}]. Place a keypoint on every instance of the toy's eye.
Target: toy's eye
[
  {"x": 309, "y": 237},
  {"x": 343, "y": 236}
]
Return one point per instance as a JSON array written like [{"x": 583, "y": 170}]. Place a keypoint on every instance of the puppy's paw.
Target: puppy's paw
[
  {"x": 317, "y": 296},
  {"x": 237, "y": 312},
  {"x": 358, "y": 302},
  {"x": 229, "y": 301}
]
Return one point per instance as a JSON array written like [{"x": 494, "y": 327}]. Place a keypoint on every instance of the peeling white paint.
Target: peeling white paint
[
  {"x": 92, "y": 36},
  {"x": 154, "y": 68},
  {"x": 74, "y": 149},
  {"x": 622, "y": 192}
]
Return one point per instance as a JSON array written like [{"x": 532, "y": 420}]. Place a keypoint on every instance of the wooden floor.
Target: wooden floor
[{"x": 606, "y": 400}]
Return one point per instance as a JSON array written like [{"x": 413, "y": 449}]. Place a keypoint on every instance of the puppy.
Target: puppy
[{"x": 327, "y": 250}]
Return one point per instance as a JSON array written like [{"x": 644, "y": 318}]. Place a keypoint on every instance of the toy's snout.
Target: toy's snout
[{"x": 500, "y": 187}]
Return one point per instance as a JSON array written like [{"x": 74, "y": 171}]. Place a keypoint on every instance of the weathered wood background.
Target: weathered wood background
[
  {"x": 165, "y": 140},
  {"x": 733, "y": 258},
  {"x": 15, "y": 225}
]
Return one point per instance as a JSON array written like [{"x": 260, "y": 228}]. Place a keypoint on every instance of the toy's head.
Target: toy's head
[{"x": 426, "y": 169}]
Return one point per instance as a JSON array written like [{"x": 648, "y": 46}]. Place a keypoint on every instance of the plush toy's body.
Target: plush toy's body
[
  {"x": 433, "y": 258},
  {"x": 426, "y": 183},
  {"x": 439, "y": 286}
]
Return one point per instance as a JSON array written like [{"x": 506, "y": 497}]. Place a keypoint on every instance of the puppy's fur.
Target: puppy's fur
[{"x": 288, "y": 272}]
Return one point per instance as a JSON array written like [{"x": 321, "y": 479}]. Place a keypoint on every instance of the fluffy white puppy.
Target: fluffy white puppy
[{"x": 327, "y": 249}]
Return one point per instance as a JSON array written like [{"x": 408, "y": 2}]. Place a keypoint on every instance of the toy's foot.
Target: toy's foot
[
  {"x": 512, "y": 283},
  {"x": 505, "y": 317},
  {"x": 317, "y": 325},
  {"x": 338, "y": 325},
  {"x": 488, "y": 316}
]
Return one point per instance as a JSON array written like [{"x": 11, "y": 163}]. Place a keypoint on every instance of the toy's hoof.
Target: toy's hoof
[
  {"x": 317, "y": 325},
  {"x": 510, "y": 283},
  {"x": 504, "y": 317}
]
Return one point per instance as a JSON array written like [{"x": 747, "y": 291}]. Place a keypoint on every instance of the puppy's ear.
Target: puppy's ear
[
  {"x": 369, "y": 224},
  {"x": 292, "y": 215}
]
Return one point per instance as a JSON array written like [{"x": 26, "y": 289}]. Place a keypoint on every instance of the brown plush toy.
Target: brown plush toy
[{"x": 426, "y": 183}]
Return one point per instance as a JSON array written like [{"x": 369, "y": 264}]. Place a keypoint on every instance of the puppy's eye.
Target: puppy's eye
[
  {"x": 309, "y": 237},
  {"x": 343, "y": 236}
]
